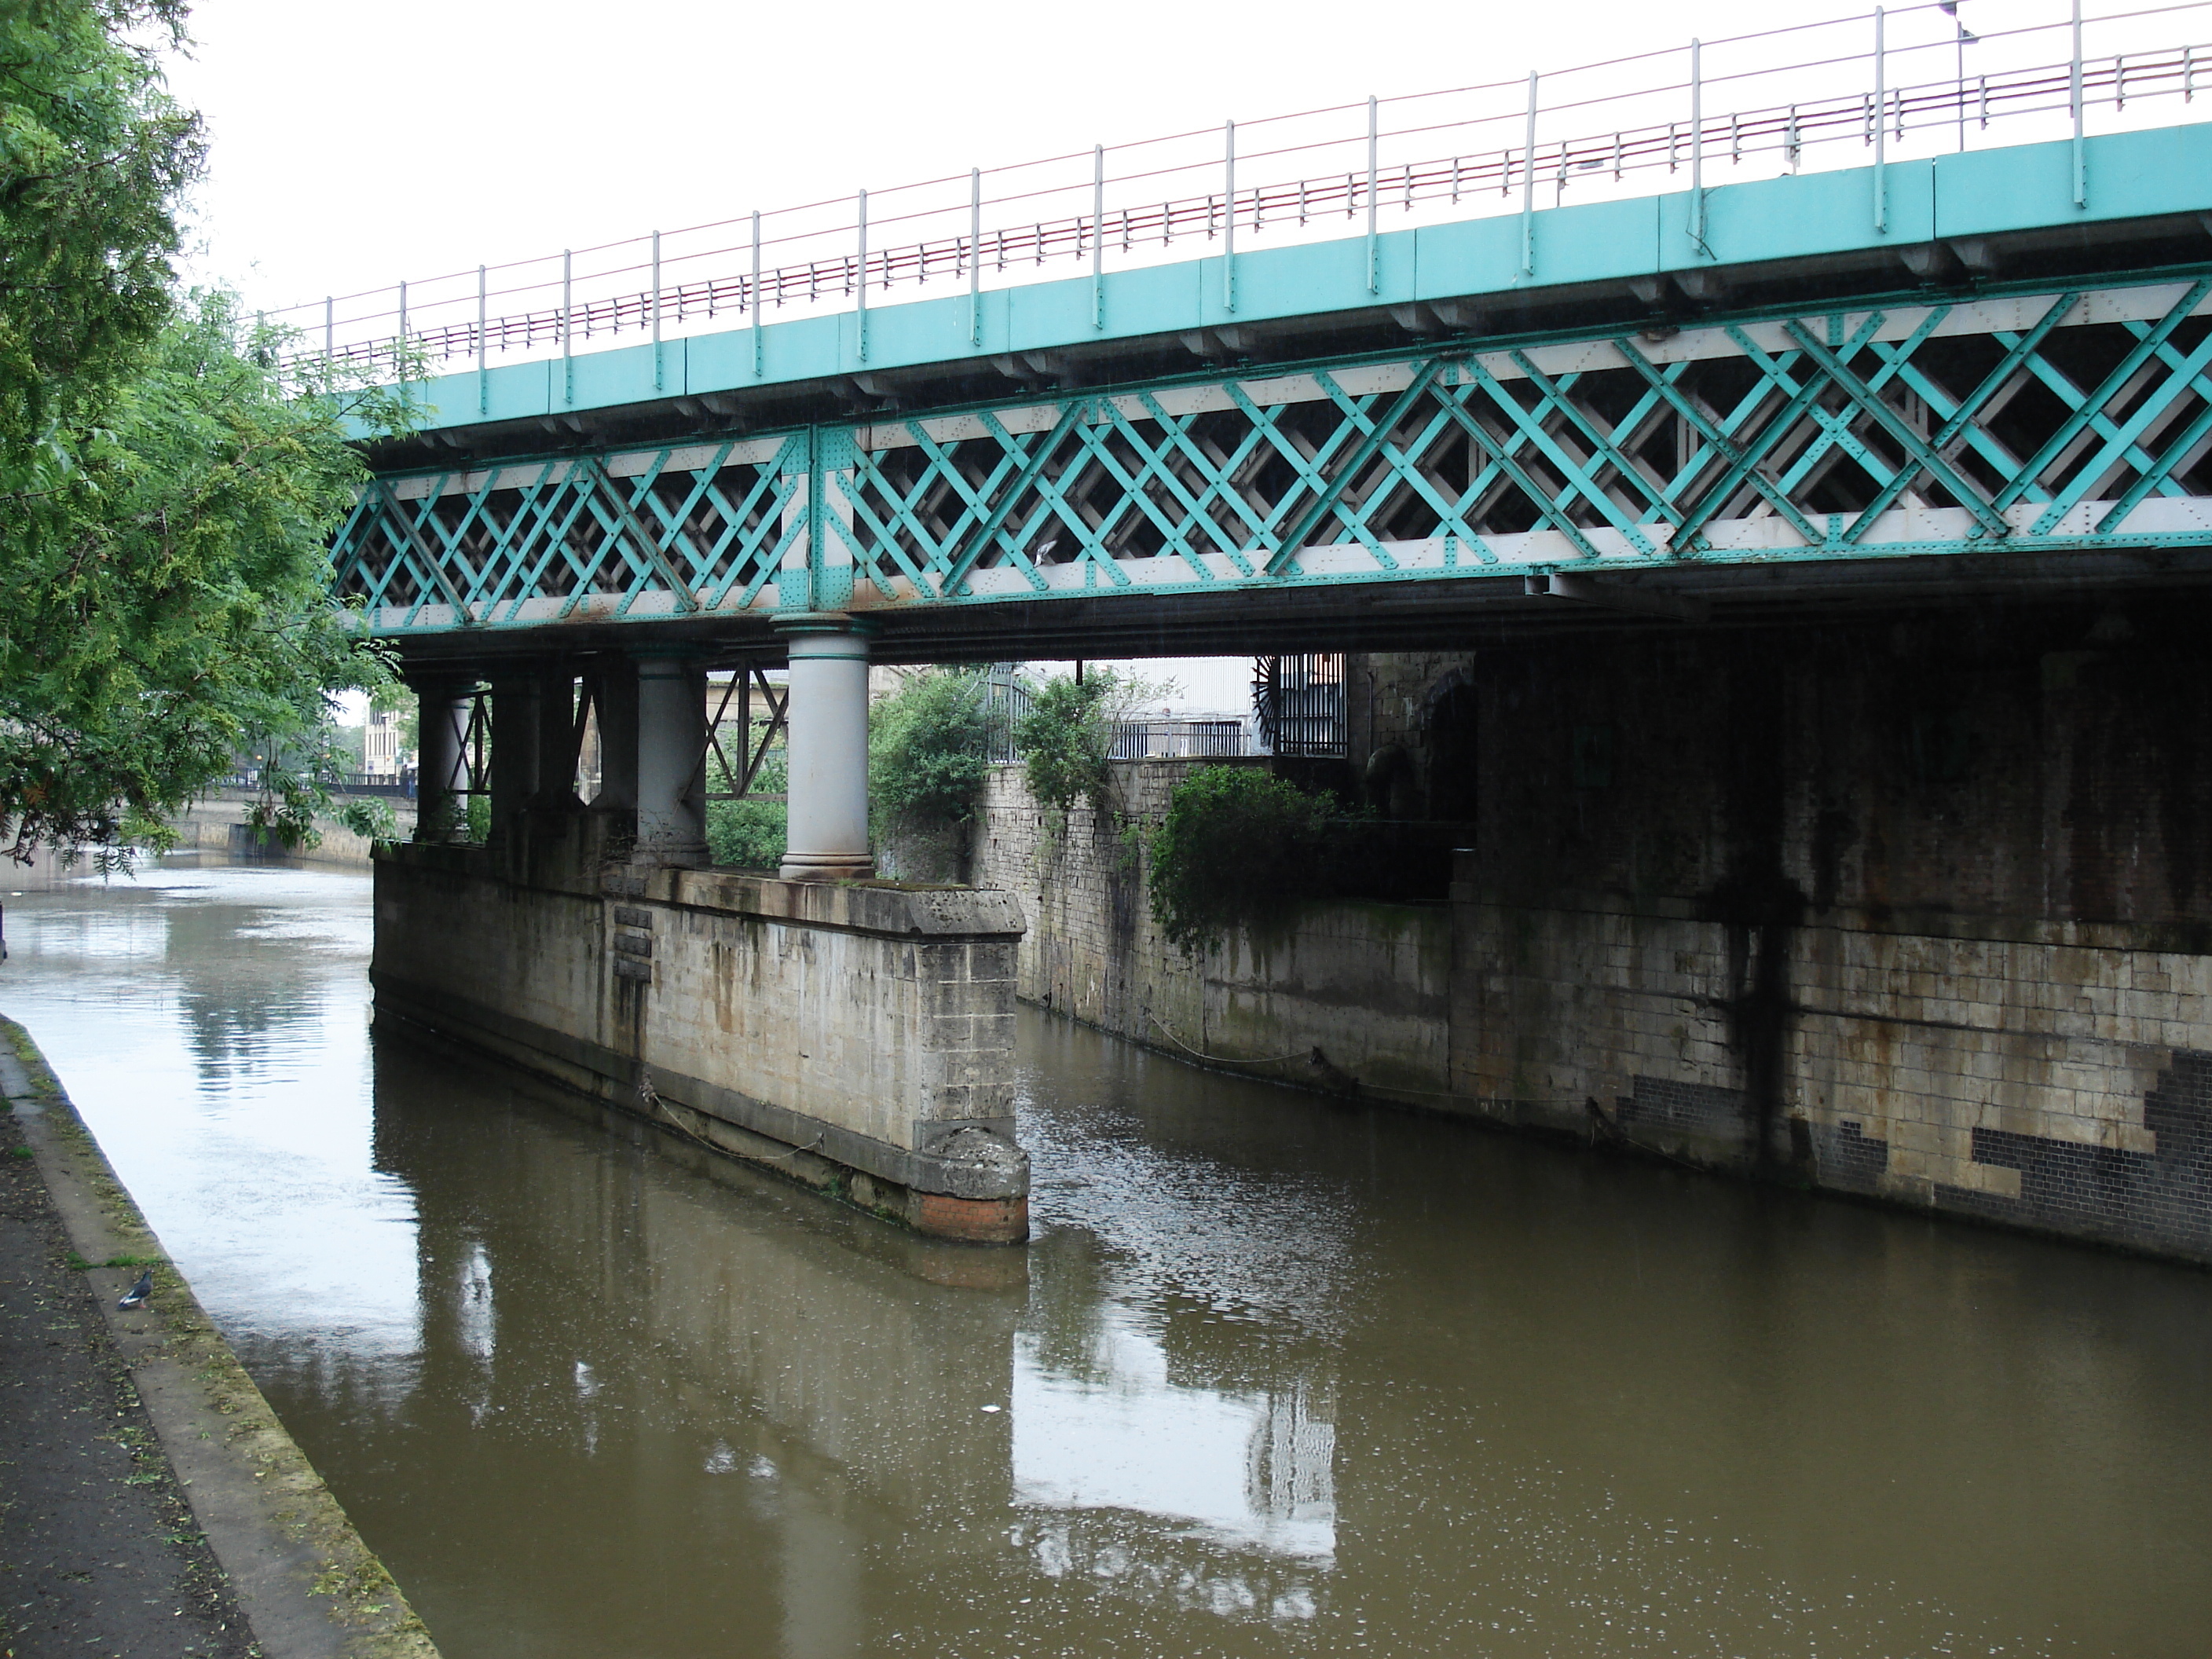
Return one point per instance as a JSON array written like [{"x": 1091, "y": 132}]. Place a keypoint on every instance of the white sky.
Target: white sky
[{"x": 358, "y": 142}]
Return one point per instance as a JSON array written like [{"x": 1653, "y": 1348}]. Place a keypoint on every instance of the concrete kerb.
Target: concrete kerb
[{"x": 309, "y": 1586}]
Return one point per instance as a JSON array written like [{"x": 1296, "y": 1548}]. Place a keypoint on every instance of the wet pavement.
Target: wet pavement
[{"x": 98, "y": 1553}]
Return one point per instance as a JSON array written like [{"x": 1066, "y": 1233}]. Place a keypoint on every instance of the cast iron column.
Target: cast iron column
[
  {"x": 556, "y": 737},
  {"x": 616, "y": 685},
  {"x": 827, "y": 733},
  {"x": 440, "y": 811},
  {"x": 514, "y": 742},
  {"x": 671, "y": 760}
]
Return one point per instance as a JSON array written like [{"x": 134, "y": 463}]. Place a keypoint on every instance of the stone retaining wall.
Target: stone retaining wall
[
  {"x": 1349, "y": 993},
  {"x": 860, "y": 1038},
  {"x": 1918, "y": 910}
]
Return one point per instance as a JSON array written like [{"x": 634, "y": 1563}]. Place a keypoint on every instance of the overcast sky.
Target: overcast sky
[{"x": 357, "y": 142}]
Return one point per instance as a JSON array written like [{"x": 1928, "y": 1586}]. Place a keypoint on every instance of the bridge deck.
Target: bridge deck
[{"x": 1999, "y": 390}]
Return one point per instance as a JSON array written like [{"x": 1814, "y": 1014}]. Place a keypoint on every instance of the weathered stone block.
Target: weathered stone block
[{"x": 809, "y": 1015}]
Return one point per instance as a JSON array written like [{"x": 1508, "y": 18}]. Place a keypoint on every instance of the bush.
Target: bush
[
  {"x": 748, "y": 833},
  {"x": 928, "y": 743},
  {"x": 1066, "y": 739},
  {"x": 371, "y": 819},
  {"x": 1237, "y": 849}
]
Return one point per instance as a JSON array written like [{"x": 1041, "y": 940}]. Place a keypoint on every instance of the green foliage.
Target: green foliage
[
  {"x": 1237, "y": 848},
  {"x": 749, "y": 834},
  {"x": 166, "y": 497},
  {"x": 93, "y": 156},
  {"x": 1064, "y": 741},
  {"x": 370, "y": 817},
  {"x": 294, "y": 770},
  {"x": 928, "y": 745}
]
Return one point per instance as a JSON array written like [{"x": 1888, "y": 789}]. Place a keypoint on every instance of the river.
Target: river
[{"x": 1274, "y": 1378}]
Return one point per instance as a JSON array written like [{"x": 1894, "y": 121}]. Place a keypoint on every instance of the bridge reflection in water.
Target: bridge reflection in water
[{"x": 1274, "y": 1378}]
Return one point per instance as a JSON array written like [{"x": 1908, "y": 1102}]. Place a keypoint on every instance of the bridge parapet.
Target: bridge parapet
[{"x": 1898, "y": 87}]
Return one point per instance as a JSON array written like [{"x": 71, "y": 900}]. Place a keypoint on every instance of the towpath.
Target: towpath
[{"x": 99, "y": 1551}]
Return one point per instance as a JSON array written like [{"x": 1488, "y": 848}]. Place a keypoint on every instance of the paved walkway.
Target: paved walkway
[{"x": 98, "y": 1553}]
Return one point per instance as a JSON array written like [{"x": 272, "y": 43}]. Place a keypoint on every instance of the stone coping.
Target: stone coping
[
  {"x": 887, "y": 909},
  {"x": 309, "y": 1585}
]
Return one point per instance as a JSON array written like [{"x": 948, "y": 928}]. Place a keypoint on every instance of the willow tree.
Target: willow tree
[{"x": 167, "y": 493}]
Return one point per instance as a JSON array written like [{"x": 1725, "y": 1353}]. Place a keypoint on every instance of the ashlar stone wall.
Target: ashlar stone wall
[
  {"x": 1348, "y": 995},
  {"x": 858, "y": 1037},
  {"x": 1916, "y": 907}
]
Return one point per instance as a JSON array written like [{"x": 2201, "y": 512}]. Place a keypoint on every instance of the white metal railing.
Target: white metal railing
[
  {"x": 1187, "y": 737},
  {"x": 1887, "y": 85}
]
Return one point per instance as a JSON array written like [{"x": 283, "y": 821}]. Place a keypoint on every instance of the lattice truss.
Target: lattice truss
[
  {"x": 2058, "y": 420},
  {"x": 660, "y": 533}
]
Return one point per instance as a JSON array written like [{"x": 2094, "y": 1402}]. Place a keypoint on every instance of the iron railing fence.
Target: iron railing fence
[
  {"x": 1178, "y": 740},
  {"x": 1299, "y": 705},
  {"x": 1882, "y": 86},
  {"x": 1009, "y": 703},
  {"x": 343, "y": 783},
  {"x": 1166, "y": 737}
]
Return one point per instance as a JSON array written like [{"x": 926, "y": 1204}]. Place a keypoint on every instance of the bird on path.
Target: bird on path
[{"x": 136, "y": 1295}]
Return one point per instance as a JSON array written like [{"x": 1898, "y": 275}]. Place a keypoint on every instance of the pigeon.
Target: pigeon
[{"x": 136, "y": 1295}]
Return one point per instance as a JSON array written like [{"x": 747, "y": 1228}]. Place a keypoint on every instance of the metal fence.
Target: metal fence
[
  {"x": 342, "y": 783},
  {"x": 1009, "y": 705},
  {"x": 1164, "y": 739},
  {"x": 1300, "y": 704},
  {"x": 1880, "y": 86},
  {"x": 1167, "y": 737}
]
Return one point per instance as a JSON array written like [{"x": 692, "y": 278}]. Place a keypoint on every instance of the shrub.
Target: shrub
[
  {"x": 928, "y": 743},
  {"x": 749, "y": 834},
  {"x": 371, "y": 819},
  {"x": 1066, "y": 739},
  {"x": 1238, "y": 847}
]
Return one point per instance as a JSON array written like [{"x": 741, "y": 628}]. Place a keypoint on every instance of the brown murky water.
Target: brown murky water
[{"x": 1275, "y": 1378}]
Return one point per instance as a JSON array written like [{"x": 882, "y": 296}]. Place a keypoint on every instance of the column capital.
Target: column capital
[{"x": 802, "y": 623}]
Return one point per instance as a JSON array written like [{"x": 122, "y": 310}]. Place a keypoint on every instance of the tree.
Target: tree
[
  {"x": 166, "y": 493},
  {"x": 1066, "y": 740},
  {"x": 929, "y": 743},
  {"x": 93, "y": 160}
]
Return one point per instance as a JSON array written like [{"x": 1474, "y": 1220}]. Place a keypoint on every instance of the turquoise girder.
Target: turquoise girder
[{"x": 2064, "y": 420}]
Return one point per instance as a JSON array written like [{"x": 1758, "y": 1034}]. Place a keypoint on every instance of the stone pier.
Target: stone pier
[{"x": 855, "y": 1036}]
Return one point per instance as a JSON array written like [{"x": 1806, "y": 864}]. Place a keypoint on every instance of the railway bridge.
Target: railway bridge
[{"x": 1872, "y": 326}]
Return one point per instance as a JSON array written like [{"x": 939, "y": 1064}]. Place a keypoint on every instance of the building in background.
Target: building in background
[{"x": 381, "y": 754}]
